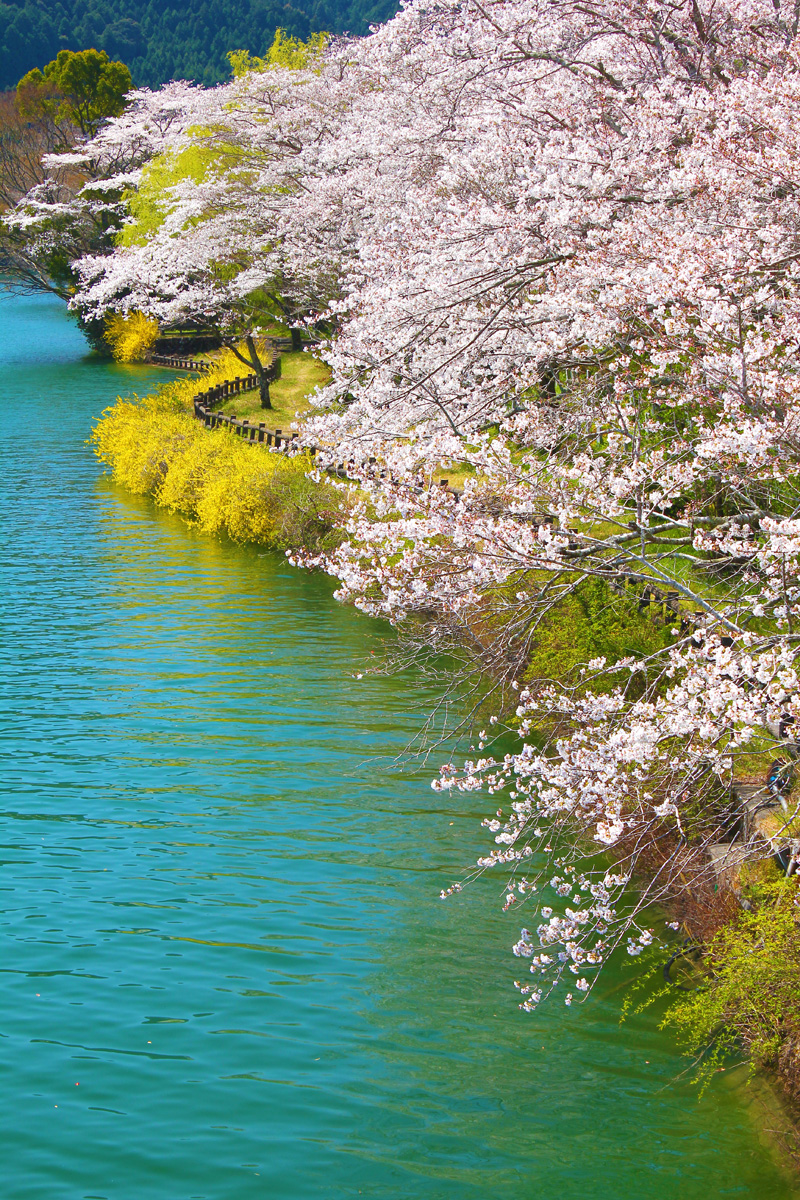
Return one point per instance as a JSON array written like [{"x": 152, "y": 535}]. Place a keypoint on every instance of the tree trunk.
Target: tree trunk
[
  {"x": 258, "y": 367},
  {"x": 263, "y": 388},
  {"x": 297, "y": 337}
]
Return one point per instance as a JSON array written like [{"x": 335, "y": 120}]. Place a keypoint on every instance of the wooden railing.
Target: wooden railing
[
  {"x": 205, "y": 404},
  {"x": 178, "y": 364}
]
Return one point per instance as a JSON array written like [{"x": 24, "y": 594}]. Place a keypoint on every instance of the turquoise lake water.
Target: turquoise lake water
[{"x": 225, "y": 971}]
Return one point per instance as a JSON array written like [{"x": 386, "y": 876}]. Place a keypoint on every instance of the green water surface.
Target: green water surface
[{"x": 226, "y": 973}]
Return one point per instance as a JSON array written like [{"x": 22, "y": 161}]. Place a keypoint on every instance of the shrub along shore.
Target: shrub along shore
[{"x": 153, "y": 446}]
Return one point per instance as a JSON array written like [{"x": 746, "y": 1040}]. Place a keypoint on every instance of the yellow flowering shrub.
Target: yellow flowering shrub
[
  {"x": 131, "y": 338},
  {"x": 154, "y": 446},
  {"x": 285, "y": 51}
]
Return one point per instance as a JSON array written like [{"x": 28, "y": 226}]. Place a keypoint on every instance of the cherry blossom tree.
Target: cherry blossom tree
[
  {"x": 593, "y": 315},
  {"x": 203, "y": 242}
]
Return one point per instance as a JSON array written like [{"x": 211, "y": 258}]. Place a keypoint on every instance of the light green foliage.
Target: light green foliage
[
  {"x": 285, "y": 51},
  {"x": 84, "y": 87},
  {"x": 752, "y": 995},
  {"x": 149, "y": 204},
  {"x": 131, "y": 338},
  {"x": 592, "y": 622},
  {"x": 154, "y": 446}
]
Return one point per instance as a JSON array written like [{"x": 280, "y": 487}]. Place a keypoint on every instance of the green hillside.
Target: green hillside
[{"x": 167, "y": 39}]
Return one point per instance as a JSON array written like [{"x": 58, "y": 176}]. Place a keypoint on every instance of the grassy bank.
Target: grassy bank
[{"x": 153, "y": 446}]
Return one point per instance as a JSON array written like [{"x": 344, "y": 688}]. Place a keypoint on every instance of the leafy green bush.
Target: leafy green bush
[
  {"x": 593, "y": 622},
  {"x": 83, "y": 87},
  {"x": 752, "y": 997}
]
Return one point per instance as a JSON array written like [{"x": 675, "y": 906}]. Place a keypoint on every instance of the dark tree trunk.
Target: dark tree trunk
[
  {"x": 258, "y": 367},
  {"x": 297, "y": 337},
  {"x": 263, "y": 388}
]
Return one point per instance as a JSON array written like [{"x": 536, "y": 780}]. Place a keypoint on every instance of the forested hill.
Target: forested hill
[{"x": 167, "y": 39}]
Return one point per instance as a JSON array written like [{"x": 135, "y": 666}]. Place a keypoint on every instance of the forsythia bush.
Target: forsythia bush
[
  {"x": 154, "y": 446},
  {"x": 131, "y": 338}
]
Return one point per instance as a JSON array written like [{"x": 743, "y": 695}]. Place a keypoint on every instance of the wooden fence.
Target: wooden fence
[
  {"x": 178, "y": 364},
  {"x": 205, "y": 404}
]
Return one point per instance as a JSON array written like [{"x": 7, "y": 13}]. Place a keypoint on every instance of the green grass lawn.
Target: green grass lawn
[{"x": 301, "y": 373}]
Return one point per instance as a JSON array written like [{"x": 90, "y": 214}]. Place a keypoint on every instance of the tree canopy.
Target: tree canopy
[{"x": 83, "y": 87}]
